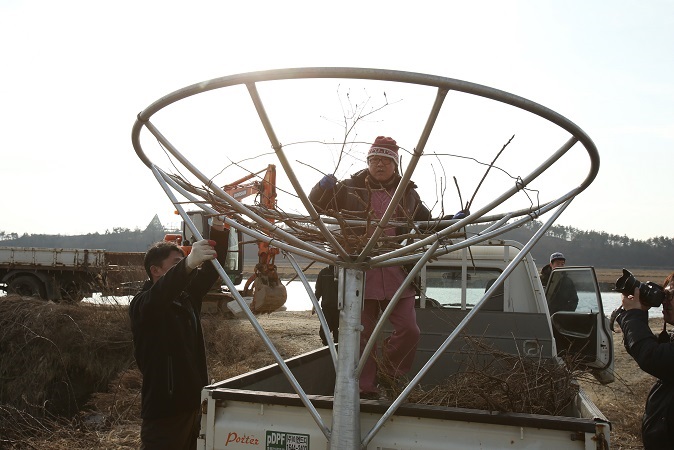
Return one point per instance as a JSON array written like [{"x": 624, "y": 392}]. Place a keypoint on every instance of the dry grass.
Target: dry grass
[
  {"x": 85, "y": 351},
  {"x": 69, "y": 353},
  {"x": 83, "y": 391}
]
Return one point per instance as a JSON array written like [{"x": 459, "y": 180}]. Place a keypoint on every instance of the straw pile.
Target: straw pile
[
  {"x": 54, "y": 357},
  {"x": 68, "y": 379}
]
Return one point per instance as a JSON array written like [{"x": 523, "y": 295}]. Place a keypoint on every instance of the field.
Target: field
[
  {"x": 605, "y": 276},
  {"x": 94, "y": 343}
]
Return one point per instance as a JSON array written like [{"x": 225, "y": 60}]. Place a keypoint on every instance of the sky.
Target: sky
[{"x": 75, "y": 74}]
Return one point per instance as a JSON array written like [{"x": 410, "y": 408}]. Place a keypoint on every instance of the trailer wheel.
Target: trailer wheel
[
  {"x": 72, "y": 292},
  {"x": 26, "y": 286}
]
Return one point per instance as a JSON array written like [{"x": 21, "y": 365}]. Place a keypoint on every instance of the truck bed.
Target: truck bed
[
  {"x": 55, "y": 258},
  {"x": 261, "y": 403}
]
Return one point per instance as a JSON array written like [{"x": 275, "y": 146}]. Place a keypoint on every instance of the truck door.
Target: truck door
[{"x": 580, "y": 327}]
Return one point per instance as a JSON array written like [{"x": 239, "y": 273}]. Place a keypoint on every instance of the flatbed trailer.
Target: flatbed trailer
[{"x": 69, "y": 273}]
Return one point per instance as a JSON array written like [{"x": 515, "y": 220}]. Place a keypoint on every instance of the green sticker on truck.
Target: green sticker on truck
[{"x": 286, "y": 441}]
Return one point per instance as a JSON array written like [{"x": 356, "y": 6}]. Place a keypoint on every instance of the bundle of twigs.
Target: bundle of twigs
[{"x": 502, "y": 382}]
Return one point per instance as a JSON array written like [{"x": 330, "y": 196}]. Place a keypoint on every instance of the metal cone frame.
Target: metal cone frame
[{"x": 345, "y": 430}]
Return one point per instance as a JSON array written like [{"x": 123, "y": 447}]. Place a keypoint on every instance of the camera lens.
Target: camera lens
[
  {"x": 650, "y": 293},
  {"x": 626, "y": 283}
]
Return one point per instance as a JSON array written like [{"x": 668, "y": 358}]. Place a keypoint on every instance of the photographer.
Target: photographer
[{"x": 655, "y": 355}]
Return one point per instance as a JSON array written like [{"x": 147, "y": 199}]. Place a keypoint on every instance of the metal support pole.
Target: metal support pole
[{"x": 346, "y": 410}]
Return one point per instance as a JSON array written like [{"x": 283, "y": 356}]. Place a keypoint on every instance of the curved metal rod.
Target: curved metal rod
[
  {"x": 365, "y": 74},
  {"x": 372, "y": 74}
]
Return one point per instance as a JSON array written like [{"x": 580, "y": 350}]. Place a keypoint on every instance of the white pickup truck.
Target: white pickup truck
[{"x": 261, "y": 409}]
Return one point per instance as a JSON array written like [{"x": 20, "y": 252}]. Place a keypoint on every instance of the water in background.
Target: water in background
[
  {"x": 611, "y": 300},
  {"x": 298, "y": 300}
]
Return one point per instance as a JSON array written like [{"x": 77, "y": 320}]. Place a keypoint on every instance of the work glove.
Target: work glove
[
  {"x": 461, "y": 214},
  {"x": 201, "y": 251},
  {"x": 328, "y": 182}
]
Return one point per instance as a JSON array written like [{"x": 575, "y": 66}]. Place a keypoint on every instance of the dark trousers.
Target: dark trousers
[
  {"x": 331, "y": 314},
  {"x": 179, "y": 432}
]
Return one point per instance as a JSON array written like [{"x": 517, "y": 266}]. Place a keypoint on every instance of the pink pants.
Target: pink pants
[{"x": 398, "y": 349}]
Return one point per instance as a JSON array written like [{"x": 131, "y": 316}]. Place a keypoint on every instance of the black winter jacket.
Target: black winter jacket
[
  {"x": 168, "y": 340},
  {"x": 351, "y": 197},
  {"x": 656, "y": 358}
]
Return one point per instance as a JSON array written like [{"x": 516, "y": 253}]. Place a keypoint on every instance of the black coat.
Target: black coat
[
  {"x": 168, "y": 340},
  {"x": 351, "y": 198},
  {"x": 563, "y": 295},
  {"x": 656, "y": 357}
]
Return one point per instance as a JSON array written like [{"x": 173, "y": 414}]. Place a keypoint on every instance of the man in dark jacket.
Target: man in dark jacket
[
  {"x": 326, "y": 287},
  {"x": 169, "y": 343},
  {"x": 561, "y": 294},
  {"x": 655, "y": 355}
]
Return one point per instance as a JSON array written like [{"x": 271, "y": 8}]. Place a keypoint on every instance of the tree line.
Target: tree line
[
  {"x": 597, "y": 248},
  {"x": 118, "y": 239},
  {"x": 581, "y": 247}
]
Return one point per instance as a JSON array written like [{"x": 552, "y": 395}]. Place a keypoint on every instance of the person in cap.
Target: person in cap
[
  {"x": 367, "y": 193},
  {"x": 556, "y": 260},
  {"x": 562, "y": 294}
]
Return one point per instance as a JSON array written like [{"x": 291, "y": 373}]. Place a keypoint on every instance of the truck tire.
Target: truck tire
[
  {"x": 26, "y": 286},
  {"x": 72, "y": 292}
]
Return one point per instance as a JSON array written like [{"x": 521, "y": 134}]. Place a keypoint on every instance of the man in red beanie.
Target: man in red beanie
[{"x": 367, "y": 194}]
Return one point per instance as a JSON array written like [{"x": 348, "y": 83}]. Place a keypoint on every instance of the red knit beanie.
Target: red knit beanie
[{"x": 384, "y": 146}]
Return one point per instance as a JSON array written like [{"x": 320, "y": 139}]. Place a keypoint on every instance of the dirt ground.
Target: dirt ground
[{"x": 623, "y": 401}]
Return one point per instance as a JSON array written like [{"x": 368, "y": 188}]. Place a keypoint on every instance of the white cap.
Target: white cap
[{"x": 557, "y": 255}]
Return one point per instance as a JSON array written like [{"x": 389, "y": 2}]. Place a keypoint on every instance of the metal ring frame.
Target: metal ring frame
[{"x": 345, "y": 432}]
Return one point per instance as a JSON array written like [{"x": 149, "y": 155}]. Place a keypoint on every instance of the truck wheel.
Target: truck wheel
[
  {"x": 27, "y": 286},
  {"x": 71, "y": 292}
]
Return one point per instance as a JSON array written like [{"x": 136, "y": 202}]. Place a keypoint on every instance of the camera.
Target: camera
[{"x": 650, "y": 294}]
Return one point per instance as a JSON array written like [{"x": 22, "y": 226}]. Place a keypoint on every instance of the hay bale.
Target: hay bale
[{"x": 54, "y": 356}]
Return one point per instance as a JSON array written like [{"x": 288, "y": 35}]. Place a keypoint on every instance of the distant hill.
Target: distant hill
[
  {"x": 582, "y": 248},
  {"x": 118, "y": 240}
]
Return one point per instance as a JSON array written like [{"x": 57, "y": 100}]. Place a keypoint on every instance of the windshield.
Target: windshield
[
  {"x": 573, "y": 289},
  {"x": 443, "y": 284}
]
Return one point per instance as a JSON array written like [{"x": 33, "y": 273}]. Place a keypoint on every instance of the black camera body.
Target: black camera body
[{"x": 650, "y": 294}]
